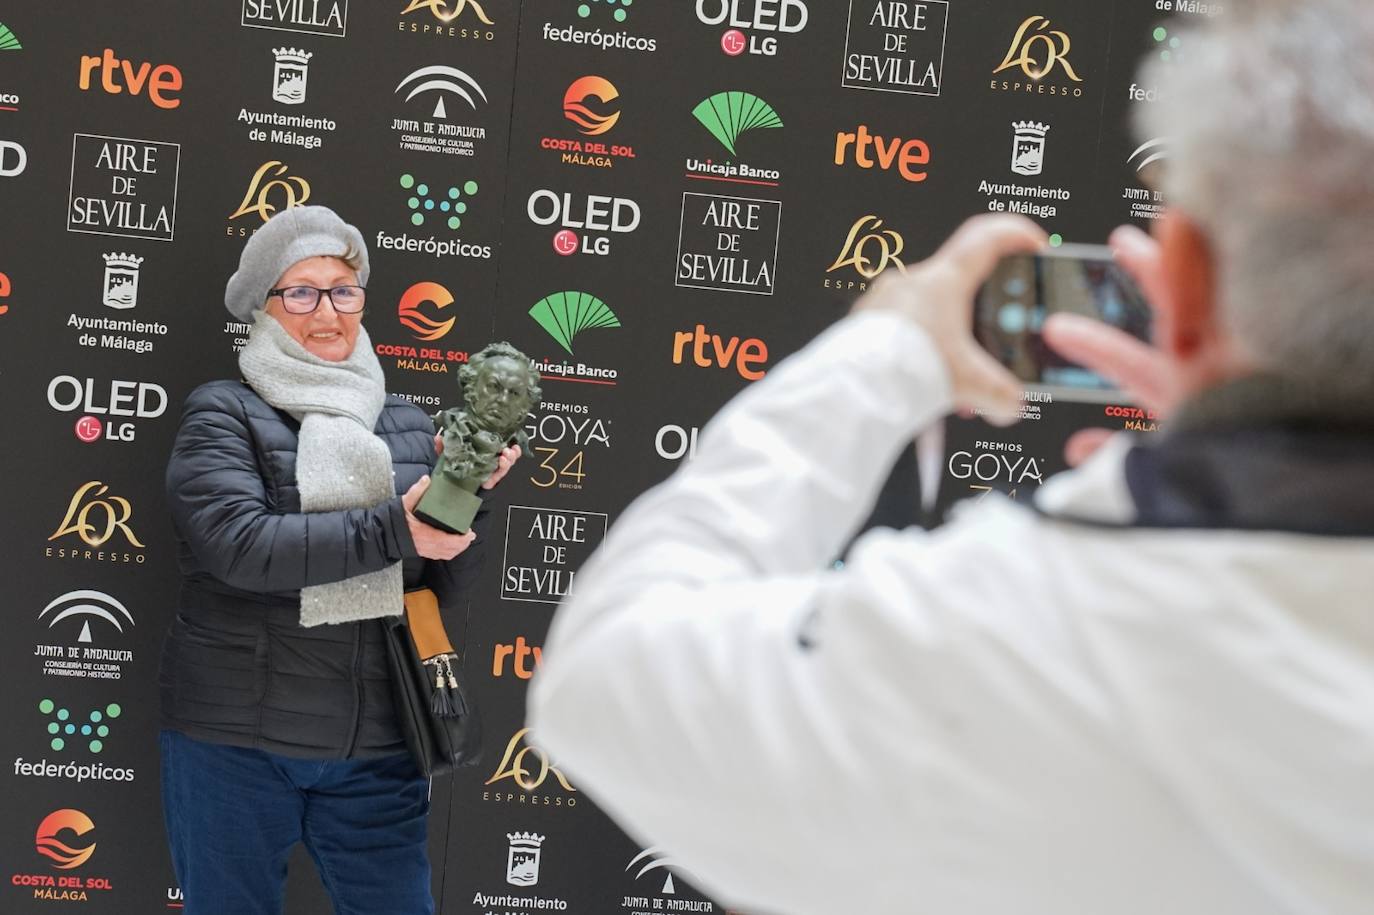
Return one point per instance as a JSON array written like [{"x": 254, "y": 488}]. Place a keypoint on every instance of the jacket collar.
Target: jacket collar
[{"x": 1259, "y": 453}]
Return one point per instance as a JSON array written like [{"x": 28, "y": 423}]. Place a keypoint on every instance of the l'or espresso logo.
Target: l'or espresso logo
[
  {"x": 271, "y": 188},
  {"x": 729, "y": 116},
  {"x": 122, "y": 186},
  {"x": 95, "y": 519},
  {"x": 752, "y": 25},
  {"x": 1037, "y": 62},
  {"x": 728, "y": 243},
  {"x": 540, "y": 783},
  {"x": 591, "y": 105},
  {"x": 870, "y": 248},
  {"x": 544, "y": 549},
  {"x": 435, "y": 90},
  {"x": 288, "y": 86},
  {"x": 118, "y": 77},
  {"x": 119, "y": 400},
  {"x": 82, "y": 623},
  {"x": 64, "y": 839},
  {"x": 313, "y": 17},
  {"x": 449, "y": 18},
  {"x": 896, "y": 45},
  {"x": 560, "y": 437},
  {"x": 587, "y": 224},
  {"x": 423, "y": 312}
]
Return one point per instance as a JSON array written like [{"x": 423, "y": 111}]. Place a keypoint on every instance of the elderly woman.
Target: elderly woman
[{"x": 292, "y": 494}]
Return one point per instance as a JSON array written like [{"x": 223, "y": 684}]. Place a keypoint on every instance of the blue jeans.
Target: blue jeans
[{"x": 234, "y": 814}]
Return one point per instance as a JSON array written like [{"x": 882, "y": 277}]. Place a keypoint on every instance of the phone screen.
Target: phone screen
[{"x": 1024, "y": 290}]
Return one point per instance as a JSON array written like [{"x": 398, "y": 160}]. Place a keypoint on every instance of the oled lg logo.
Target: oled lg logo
[
  {"x": 13, "y": 159},
  {"x": 118, "y": 76},
  {"x": 587, "y": 224},
  {"x": 745, "y": 18},
  {"x": 673, "y": 443},
  {"x": 139, "y": 400}
]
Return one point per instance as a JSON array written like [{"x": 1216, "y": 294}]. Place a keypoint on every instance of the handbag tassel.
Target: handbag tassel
[{"x": 446, "y": 702}]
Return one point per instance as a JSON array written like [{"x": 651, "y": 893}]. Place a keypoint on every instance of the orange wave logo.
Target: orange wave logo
[
  {"x": 575, "y": 104},
  {"x": 422, "y": 325},
  {"x": 49, "y": 846}
]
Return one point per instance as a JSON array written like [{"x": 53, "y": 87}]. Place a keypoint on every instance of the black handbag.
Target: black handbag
[{"x": 433, "y": 703}]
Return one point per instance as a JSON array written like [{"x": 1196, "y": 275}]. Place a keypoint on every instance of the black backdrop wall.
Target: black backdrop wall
[{"x": 658, "y": 199}]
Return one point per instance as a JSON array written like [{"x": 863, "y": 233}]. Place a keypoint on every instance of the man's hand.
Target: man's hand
[
  {"x": 430, "y": 542},
  {"x": 503, "y": 465},
  {"x": 1139, "y": 369},
  {"x": 938, "y": 295}
]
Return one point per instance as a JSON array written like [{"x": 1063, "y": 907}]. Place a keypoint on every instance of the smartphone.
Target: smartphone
[{"x": 1010, "y": 311}]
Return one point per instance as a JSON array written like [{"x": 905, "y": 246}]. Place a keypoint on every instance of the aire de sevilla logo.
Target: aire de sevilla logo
[
  {"x": 69, "y": 853},
  {"x": 411, "y": 315},
  {"x": 588, "y": 120}
]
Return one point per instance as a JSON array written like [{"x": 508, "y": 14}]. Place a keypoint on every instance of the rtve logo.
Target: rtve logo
[
  {"x": 904, "y": 154},
  {"x": 519, "y": 654},
  {"x": 117, "y": 75},
  {"x": 710, "y": 349}
]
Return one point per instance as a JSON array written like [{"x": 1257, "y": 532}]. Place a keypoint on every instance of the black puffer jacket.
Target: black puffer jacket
[{"x": 237, "y": 667}]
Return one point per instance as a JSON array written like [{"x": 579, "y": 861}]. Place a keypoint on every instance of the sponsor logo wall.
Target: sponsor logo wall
[{"x": 657, "y": 201}]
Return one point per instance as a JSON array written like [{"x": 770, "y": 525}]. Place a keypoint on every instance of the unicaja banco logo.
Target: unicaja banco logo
[
  {"x": 728, "y": 115},
  {"x": 1037, "y": 50},
  {"x": 95, "y": 521},
  {"x": 575, "y": 108},
  {"x": 289, "y": 75},
  {"x": 564, "y": 315},
  {"x": 270, "y": 186},
  {"x": 420, "y": 324},
  {"x": 121, "y": 280},
  {"x": 448, "y": 10},
  {"x": 522, "y": 860},
  {"x": 8, "y": 40},
  {"x": 65, "y": 853}
]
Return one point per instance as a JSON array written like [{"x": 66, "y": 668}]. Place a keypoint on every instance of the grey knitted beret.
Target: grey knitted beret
[{"x": 290, "y": 236}]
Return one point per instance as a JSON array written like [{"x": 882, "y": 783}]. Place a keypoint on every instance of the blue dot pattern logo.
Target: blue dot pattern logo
[
  {"x": 448, "y": 204},
  {"x": 61, "y": 727}
]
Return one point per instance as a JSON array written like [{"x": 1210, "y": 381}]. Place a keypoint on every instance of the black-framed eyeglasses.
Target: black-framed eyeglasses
[{"x": 301, "y": 300}]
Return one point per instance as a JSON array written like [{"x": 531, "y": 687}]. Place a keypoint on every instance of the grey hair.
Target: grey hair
[{"x": 1268, "y": 111}]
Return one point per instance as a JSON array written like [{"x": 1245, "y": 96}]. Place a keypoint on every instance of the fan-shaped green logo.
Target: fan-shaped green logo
[
  {"x": 729, "y": 114},
  {"x": 8, "y": 40},
  {"x": 566, "y": 314}
]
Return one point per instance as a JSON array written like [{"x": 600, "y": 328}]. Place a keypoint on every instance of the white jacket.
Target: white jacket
[{"x": 1013, "y": 714}]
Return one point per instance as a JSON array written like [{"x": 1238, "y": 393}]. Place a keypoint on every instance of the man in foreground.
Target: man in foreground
[{"x": 1151, "y": 691}]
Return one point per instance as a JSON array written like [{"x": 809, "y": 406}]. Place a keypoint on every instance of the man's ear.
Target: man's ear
[{"x": 1188, "y": 322}]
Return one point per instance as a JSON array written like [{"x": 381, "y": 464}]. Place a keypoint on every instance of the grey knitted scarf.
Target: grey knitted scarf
[{"x": 340, "y": 463}]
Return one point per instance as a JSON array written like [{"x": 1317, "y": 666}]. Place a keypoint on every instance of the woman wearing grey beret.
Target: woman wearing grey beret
[{"x": 291, "y": 492}]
